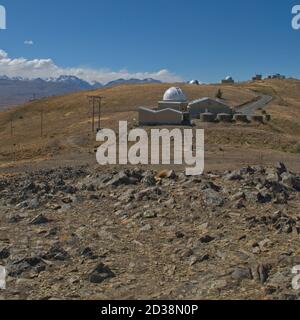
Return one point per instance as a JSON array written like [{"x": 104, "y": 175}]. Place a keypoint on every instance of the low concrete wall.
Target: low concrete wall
[{"x": 160, "y": 117}]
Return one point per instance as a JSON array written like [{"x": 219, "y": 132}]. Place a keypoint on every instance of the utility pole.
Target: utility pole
[
  {"x": 42, "y": 122},
  {"x": 13, "y": 145},
  {"x": 93, "y": 102}
]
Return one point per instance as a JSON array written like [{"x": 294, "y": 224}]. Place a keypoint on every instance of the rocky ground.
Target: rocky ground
[{"x": 75, "y": 233}]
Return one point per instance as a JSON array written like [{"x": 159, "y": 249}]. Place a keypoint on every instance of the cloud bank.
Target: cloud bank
[{"x": 46, "y": 68}]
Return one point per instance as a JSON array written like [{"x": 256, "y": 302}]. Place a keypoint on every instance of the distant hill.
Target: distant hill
[{"x": 17, "y": 90}]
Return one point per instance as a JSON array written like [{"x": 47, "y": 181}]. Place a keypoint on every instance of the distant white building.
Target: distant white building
[
  {"x": 257, "y": 77},
  {"x": 228, "y": 79},
  {"x": 208, "y": 105},
  {"x": 194, "y": 82}
]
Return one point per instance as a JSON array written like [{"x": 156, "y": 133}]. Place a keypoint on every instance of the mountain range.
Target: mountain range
[{"x": 18, "y": 90}]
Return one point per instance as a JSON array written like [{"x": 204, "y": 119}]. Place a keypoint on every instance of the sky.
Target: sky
[{"x": 100, "y": 40}]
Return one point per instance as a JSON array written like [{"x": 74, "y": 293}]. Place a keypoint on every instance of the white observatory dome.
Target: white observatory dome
[
  {"x": 174, "y": 94},
  {"x": 196, "y": 82},
  {"x": 228, "y": 78}
]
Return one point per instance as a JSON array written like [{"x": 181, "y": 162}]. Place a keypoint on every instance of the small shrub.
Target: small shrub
[{"x": 219, "y": 94}]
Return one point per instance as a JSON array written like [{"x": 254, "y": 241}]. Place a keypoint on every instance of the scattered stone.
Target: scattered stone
[
  {"x": 33, "y": 204},
  {"x": 281, "y": 168},
  {"x": 241, "y": 274},
  {"x": 88, "y": 253},
  {"x": 100, "y": 274},
  {"x": 206, "y": 239},
  {"x": 39, "y": 219},
  {"x": 4, "y": 253},
  {"x": 263, "y": 272},
  {"x": 251, "y": 212},
  {"x": 232, "y": 176},
  {"x": 263, "y": 197},
  {"x": 150, "y": 215},
  {"x": 149, "y": 179},
  {"x": 146, "y": 228},
  {"x": 179, "y": 235},
  {"x": 212, "y": 198},
  {"x": 199, "y": 259},
  {"x": 19, "y": 265},
  {"x": 56, "y": 252},
  {"x": 165, "y": 174},
  {"x": 123, "y": 178}
]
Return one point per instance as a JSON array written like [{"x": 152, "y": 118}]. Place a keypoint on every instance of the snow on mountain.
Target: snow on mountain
[{"x": 18, "y": 90}]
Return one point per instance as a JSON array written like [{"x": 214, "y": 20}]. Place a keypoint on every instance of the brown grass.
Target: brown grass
[{"x": 67, "y": 119}]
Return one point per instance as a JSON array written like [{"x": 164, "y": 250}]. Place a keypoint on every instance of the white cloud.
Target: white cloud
[
  {"x": 3, "y": 54},
  {"x": 28, "y": 42},
  {"x": 46, "y": 68}
]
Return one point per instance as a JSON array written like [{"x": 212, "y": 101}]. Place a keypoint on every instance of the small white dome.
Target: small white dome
[
  {"x": 194, "y": 82},
  {"x": 228, "y": 78},
  {"x": 174, "y": 94}
]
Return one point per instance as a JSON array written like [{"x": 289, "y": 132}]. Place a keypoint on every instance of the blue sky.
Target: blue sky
[{"x": 192, "y": 39}]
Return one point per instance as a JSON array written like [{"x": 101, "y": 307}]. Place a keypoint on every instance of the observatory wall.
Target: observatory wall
[
  {"x": 179, "y": 106},
  {"x": 160, "y": 117},
  {"x": 208, "y": 105}
]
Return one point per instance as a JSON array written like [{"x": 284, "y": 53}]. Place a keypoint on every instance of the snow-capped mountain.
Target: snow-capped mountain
[
  {"x": 17, "y": 90},
  {"x": 72, "y": 80},
  {"x": 131, "y": 81}
]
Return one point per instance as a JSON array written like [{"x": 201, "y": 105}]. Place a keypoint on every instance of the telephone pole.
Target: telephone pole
[
  {"x": 42, "y": 122},
  {"x": 94, "y": 102}
]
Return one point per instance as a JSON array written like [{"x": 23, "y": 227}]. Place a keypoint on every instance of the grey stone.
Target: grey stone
[
  {"x": 213, "y": 198},
  {"x": 146, "y": 227},
  {"x": 241, "y": 273},
  {"x": 235, "y": 175},
  {"x": 206, "y": 239},
  {"x": 4, "y": 253},
  {"x": 149, "y": 179},
  {"x": 100, "y": 274},
  {"x": 39, "y": 219}
]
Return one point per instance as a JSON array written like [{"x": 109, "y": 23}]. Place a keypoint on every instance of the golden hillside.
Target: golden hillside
[{"x": 67, "y": 119}]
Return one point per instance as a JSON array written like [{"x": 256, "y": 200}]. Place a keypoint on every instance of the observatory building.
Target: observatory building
[
  {"x": 160, "y": 117},
  {"x": 174, "y": 98},
  {"x": 172, "y": 110},
  {"x": 207, "y": 105},
  {"x": 194, "y": 82},
  {"x": 227, "y": 80},
  {"x": 257, "y": 77},
  {"x": 175, "y": 109}
]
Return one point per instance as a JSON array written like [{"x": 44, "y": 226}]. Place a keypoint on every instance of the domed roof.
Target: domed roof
[
  {"x": 194, "y": 82},
  {"x": 228, "y": 78},
  {"x": 174, "y": 94}
]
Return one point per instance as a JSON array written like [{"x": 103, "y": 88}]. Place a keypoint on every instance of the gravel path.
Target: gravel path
[{"x": 250, "y": 108}]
